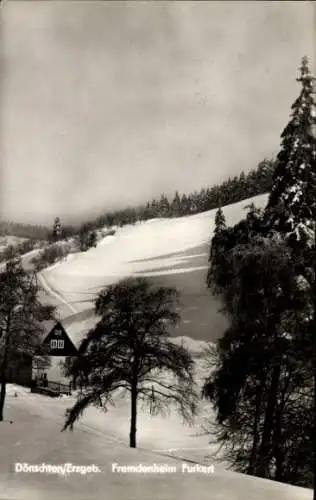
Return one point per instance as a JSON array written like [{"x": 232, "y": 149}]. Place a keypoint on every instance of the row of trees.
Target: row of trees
[
  {"x": 235, "y": 189},
  {"x": 257, "y": 181},
  {"x": 263, "y": 268},
  {"x": 30, "y": 231}
]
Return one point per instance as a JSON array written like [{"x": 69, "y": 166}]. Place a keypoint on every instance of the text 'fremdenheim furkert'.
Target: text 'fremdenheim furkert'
[{"x": 183, "y": 468}]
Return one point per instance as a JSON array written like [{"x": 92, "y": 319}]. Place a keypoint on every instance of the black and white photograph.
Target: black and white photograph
[{"x": 157, "y": 250}]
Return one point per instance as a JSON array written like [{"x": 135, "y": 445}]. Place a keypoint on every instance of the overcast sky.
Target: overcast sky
[{"x": 109, "y": 103}]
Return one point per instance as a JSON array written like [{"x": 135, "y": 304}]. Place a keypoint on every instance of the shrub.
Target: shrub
[
  {"x": 87, "y": 238},
  {"x": 51, "y": 254}
]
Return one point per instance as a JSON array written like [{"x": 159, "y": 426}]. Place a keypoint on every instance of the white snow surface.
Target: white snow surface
[
  {"x": 34, "y": 436},
  {"x": 140, "y": 249}
]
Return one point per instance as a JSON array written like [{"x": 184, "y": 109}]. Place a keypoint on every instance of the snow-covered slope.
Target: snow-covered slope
[
  {"x": 6, "y": 241},
  {"x": 162, "y": 247},
  {"x": 174, "y": 252},
  {"x": 171, "y": 251},
  {"x": 34, "y": 438}
]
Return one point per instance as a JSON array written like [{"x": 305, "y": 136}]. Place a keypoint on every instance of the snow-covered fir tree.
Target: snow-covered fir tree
[
  {"x": 264, "y": 269},
  {"x": 216, "y": 251},
  {"x": 220, "y": 223},
  {"x": 176, "y": 205},
  {"x": 57, "y": 230},
  {"x": 291, "y": 207}
]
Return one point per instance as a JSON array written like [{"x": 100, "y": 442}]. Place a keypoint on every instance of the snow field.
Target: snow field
[{"x": 124, "y": 254}]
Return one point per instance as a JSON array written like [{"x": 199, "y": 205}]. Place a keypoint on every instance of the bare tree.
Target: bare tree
[{"x": 129, "y": 350}]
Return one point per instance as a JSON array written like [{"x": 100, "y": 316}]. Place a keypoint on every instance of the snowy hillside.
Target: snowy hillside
[
  {"x": 174, "y": 252},
  {"x": 34, "y": 438},
  {"x": 170, "y": 251},
  {"x": 6, "y": 241},
  {"x": 175, "y": 249}
]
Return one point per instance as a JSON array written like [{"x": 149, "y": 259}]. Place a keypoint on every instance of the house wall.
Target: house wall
[
  {"x": 54, "y": 371},
  {"x": 20, "y": 373}
]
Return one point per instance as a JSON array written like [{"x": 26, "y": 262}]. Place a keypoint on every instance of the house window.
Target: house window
[{"x": 57, "y": 344}]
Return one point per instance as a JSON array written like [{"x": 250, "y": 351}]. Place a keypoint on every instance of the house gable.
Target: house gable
[{"x": 59, "y": 343}]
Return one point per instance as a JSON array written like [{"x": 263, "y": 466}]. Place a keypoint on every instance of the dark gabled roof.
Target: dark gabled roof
[{"x": 59, "y": 342}]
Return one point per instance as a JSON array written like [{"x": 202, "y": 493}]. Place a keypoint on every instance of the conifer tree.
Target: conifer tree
[
  {"x": 262, "y": 386},
  {"x": 292, "y": 201},
  {"x": 220, "y": 222},
  {"x": 176, "y": 205},
  {"x": 57, "y": 230},
  {"x": 216, "y": 251},
  {"x": 164, "y": 206},
  {"x": 185, "y": 208},
  {"x": 291, "y": 208},
  {"x": 92, "y": 239}
]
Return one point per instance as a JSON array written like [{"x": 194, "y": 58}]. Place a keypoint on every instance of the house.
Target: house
[
  {"x": 21, "y": 371},
  {"x": 27, "y": 368},
  {"x": 25, "y": 371}
]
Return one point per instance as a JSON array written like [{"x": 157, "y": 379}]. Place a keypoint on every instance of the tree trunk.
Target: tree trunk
[
  {"x": 256, "y": 435},
  {"x": 4, "y": 368},
  {"x": 2, "y": 397},
  {"x": 3, "y": 382},
  {"x": 132, "y": 436},
  {"x": 278, "y": 438},
  {"x": 265, "y": 447}
]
